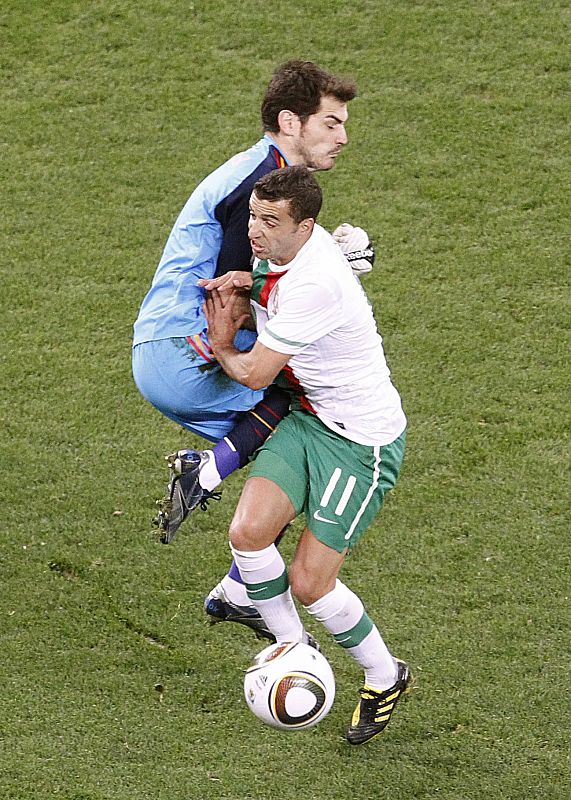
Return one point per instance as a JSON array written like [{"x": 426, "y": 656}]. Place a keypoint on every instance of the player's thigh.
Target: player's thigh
[
  {"x": 170, "y": 375},
  {"x": 263, "y": 510},
  {"x": 282, "y": 460}
]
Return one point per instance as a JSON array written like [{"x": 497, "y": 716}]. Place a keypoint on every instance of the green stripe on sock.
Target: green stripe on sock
[
  {"x": 269, "y": 589},
  {"x": 355, "y": 635}
]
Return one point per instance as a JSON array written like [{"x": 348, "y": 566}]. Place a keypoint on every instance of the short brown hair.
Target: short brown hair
[
  {"x": 298, "y": 86},
  {"x": 295, "y": 184}
]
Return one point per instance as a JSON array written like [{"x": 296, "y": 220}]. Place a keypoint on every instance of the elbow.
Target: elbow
[
  {"x": 254, "y": 382},
  {"x": 252, "y": 378}
]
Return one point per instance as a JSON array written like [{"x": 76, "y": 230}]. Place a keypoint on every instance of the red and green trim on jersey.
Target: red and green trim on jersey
[
  {"x": 263, "y": 281},
  {"x": 287, "y": 381}
]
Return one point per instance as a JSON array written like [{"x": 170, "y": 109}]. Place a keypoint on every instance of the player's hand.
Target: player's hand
[
  {"x": 223, "y": 319},
  {"x": 227, "y": 283},
  {"x": 356, "y": 247},
  {"x": 241, "y": 308},
  {"x": 235, "y": 279}
]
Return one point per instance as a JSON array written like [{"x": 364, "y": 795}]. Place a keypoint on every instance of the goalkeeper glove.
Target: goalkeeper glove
[{"x": 356, "y": 247}]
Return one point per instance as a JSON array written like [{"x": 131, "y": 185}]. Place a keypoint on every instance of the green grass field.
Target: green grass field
[{"x": 458, "y": 166}]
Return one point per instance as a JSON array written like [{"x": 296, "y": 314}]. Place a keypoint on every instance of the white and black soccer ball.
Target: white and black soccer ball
[{"x": 290, "y": 686}]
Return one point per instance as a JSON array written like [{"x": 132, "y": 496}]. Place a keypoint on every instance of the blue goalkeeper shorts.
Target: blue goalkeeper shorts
[{"x": 192, "y": 390}]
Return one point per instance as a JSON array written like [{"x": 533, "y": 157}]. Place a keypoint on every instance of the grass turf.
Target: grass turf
[{"x": 110, "y": 114}]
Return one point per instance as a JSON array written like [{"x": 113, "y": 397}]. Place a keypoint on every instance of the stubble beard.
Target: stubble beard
[{"x": 313, "y": 164}]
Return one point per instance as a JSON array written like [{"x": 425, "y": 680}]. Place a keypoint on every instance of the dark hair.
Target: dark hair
[
  {"x": 298, "y": 86},
  {"x": 295, "y": 184}
]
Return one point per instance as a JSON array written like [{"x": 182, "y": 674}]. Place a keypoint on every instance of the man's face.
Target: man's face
[
  {"x": 273, "y": 233},
  {"x": 322, "y": 136}
]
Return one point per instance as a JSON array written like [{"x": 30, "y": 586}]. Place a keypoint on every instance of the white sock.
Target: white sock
[
  {"x": 344, "y": 616},
  {"x": 381, "y": 670},
  {"x": 264, "y": 573},
  {"x": 209, "y": 477},
  {"x": 235, "y": 592}
]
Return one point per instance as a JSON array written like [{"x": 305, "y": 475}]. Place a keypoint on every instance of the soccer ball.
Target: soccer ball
[{"x": 290, "y": 686}]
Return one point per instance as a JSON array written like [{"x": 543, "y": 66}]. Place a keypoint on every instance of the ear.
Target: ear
[
  {"x": 306, "y": 225},
  {"x": 289, "y": 122}
]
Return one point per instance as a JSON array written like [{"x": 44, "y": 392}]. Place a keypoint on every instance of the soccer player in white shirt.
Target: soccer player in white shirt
[{"x": 339, "y": 451}]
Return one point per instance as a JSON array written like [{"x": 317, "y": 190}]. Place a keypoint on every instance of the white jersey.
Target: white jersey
[{"x": 315, "y": 310}]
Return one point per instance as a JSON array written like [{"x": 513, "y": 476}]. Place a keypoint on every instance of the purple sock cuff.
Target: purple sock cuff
[
  {"x": 226, "y": 459},
  {"x": 235, "y": 573}
]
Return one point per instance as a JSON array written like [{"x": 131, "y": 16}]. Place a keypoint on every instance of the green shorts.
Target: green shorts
[{"x": 339, "y": 484}]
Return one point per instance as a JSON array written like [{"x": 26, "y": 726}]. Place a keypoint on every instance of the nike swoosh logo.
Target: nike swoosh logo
[{"x": 317, "y": 516}]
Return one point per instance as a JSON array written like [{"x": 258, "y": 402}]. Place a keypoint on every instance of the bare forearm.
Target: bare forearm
[{"x": 238, "y": 366}]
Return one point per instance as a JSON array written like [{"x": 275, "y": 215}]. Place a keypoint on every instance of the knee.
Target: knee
[
  {"x": 307, "y": 585},
  {"x": 245, "y": 534}
]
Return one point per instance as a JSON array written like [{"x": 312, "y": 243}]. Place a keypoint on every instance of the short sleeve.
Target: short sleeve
[{"x": 307, "y": 312}]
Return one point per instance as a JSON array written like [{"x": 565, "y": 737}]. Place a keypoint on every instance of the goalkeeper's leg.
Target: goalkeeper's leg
[
  {"x": 198, "y": 395},
  {"x": 194, "y": 475}
]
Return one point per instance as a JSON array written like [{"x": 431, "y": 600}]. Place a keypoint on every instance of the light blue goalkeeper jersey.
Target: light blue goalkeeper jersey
[{"x": 210, "y": 237}]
